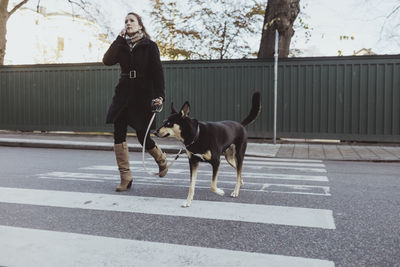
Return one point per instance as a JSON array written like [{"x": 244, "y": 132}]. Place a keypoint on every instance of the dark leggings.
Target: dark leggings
[{"x": 121, "y": 129}]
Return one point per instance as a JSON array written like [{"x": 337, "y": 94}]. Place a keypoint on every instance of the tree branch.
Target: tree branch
[
  {"x": 80, "y": 4},
  {"x": 393, "y": 11},
  {"x": 17, "y": 6}
]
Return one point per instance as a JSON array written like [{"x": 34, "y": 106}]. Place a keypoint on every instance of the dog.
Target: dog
[{"x": 207, "y": 141}]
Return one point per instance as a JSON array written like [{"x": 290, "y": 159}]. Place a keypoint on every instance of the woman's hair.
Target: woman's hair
[{"x": 140, "y": 21}]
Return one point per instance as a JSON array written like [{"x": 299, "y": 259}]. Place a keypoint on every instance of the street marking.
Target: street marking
[
  {"x": 268, "y": 190},
  {"x": 265, "y": 163},
  {"x": 229, "y": 185},
  {"x": 80, "y": 175},
  {"x": 183, "y": 157},
  {"x": 281, "y": 159},
  {"x": 281, "y": 215},
  {"x": 324, "y": 191},
  {"x": 184, "y": 182},
  {"x": 113, "y": 168},
  {"x": 314, "y": 178},
  {"x": 31, "y": 247}
]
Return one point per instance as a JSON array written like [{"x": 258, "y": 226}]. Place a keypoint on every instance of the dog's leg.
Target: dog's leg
[
  {"x": 239, "y": 157},
  {"x": 215, "y": 165},
  {"x": 230, "y": 155},
  {"x": 239, "y": 182},
  {"x": 194, "y": 166}
]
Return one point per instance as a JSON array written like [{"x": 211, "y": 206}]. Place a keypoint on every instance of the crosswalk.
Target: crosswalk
[
  {"x": 281, "y": 178},
  {"x": 46, "y": 248}
]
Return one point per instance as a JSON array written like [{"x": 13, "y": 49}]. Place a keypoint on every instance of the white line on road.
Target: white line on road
[
  {"x": 184, "y": 181},
  {"x": 114, "y": 168},
  {"x": 242, "y": 189},
  {"x": 257, "y": 187},
  {"x": 281, "y": 159},
  {"x": 293, "y": 216},
  {"x": 259, "y": 176},
  {"x": 266, "y": 163},
  {"x": 177, "y": 170},
  {"x": 31, "y": 247},
  {"x": 249, "y": 159},
  {"x": 323, "y": 191}
]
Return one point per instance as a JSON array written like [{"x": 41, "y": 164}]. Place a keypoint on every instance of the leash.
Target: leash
[{"x": 155, "y": 110}]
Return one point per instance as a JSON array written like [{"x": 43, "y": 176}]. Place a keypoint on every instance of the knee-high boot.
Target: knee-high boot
[
  {"x": 161, "y": 160},
  {"x": 122, "y": 157}
]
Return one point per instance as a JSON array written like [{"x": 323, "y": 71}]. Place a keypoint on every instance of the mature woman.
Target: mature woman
[{"x": 142, "y": 80}]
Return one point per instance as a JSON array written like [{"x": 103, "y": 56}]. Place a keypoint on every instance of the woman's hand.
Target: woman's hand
[
  {"x": 123, "y": 32},
  {"x": 158, "y": 101}
]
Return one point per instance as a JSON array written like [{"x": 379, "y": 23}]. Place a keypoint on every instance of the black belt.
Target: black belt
[{"x": 131, "y": 74}]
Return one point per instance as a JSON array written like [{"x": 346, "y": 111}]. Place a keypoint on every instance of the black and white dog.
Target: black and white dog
[{"x": 207, "y": 141}]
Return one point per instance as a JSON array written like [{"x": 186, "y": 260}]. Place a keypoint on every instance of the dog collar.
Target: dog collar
[{"x": 196, "y": 136}]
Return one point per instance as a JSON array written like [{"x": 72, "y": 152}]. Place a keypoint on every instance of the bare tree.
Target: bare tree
[
  {"x": 392, "y": 19},
  {"x": 4, "y": 16},
  {"x": 279, "y": 15},
  {"x": 85, "y": 8}
]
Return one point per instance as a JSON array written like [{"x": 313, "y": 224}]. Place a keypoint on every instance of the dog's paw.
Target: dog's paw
[
  {"x": 235, "y": 194},
  {"x": 185, "y": 204},
  {"x": 219, "y": 192}
]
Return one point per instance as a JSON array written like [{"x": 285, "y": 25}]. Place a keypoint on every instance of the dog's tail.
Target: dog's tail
[{"x": 255, "y": 109}]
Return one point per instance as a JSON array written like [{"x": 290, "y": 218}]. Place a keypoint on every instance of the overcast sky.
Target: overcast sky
[
  {"x": 363, "y": 19},
  {"x": 329, "y": 19}
]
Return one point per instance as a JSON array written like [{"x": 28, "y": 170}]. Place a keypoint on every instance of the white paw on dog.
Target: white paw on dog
[
  {"x": 235, "y": 194},
  {"x": 219, "y": 192},
  {"x": 185, "y": 204}
]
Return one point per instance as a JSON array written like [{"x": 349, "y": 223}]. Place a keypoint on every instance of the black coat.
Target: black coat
[{"x": 134, "y": 95}]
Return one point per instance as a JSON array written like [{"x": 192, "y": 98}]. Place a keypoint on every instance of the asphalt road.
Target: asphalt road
[{"x": 59, "y": 208}]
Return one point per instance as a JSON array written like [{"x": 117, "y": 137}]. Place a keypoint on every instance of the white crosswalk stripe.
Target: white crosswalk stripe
[
  {"x": 202, "y": 182},
  {"x": 253, "y": 167},
  {"x": 24, "y": 246},
  {"x": 161, "y": 206},
  {"x": 29, "y": 247},
  {"x": 260, "y": 181}
]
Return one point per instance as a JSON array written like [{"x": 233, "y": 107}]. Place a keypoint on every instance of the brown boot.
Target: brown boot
[
  {"x": 161, "y": 160},
  {"x": 122, "y": 156}
]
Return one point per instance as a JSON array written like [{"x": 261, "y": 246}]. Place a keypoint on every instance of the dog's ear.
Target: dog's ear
[
  {"x": 173, "y": 110},
  {"x": 185, "y": 110}
]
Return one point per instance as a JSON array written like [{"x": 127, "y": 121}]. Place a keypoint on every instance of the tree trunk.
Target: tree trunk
[
  {"x": 3, "y": 29},
  {"x": 280, "y": 15},
  {"x": 4, "y": 16}
]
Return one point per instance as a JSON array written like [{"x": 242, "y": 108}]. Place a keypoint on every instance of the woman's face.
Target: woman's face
[{"x": 131, "y": 24}]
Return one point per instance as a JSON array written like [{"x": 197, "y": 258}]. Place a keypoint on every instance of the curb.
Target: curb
[
  {"x": 105, "y": 146},
  {"x": 172, "y": 149},
  {"x": 75, "y": 145},
  {"x": 90, "y": 146}
]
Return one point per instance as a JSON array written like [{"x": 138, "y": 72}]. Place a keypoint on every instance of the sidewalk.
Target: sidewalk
[{"x": 292, "y": 150}]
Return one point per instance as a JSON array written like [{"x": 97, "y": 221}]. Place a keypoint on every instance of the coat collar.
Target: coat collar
[{"x": 142, "y": 42}]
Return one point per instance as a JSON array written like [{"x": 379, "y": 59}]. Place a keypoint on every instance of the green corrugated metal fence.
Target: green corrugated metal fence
[{"x": 346, "y": 98}]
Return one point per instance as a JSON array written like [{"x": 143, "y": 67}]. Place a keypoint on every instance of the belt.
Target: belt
[{"x": 131, "y": 74}]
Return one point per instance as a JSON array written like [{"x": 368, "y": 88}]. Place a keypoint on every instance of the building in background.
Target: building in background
[
  {"x": 364, "y": 52},
  {"x": 40, "y": 38}
]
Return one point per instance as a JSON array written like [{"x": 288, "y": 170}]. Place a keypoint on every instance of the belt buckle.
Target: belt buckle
[{"x": 132, "y": 74}]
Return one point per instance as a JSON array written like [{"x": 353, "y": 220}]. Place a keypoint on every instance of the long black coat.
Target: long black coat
[{"x": 134, "y": 95}]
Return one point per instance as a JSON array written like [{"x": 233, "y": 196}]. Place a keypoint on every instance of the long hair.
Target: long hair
[{"x": 140, "y": 21}]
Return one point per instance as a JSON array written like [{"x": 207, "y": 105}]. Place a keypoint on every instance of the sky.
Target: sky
[{"x": 365, "y": 20}]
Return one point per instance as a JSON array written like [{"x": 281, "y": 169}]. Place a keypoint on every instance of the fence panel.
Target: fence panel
[{"x": 346, "y": 98}]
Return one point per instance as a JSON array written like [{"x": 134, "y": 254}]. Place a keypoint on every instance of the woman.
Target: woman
[{"x": 141, "y": 82}]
